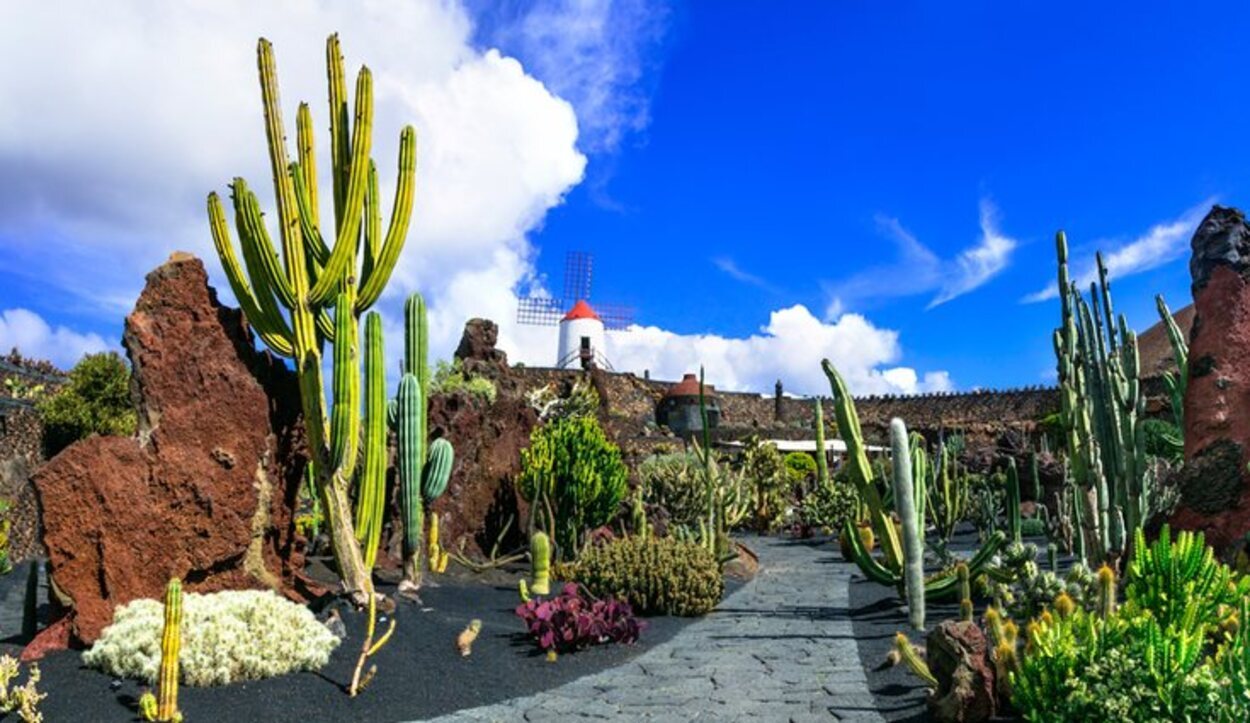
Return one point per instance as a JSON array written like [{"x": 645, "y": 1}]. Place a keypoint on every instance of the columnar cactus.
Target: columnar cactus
[
  {"x": 822, "y": 463},
  {"x": 171, "y": 646},
  {"x": 371, "y": 487},
  {"x": 890, "y": 570},
  {"x": 411, "y": 428},
  {"x": 540, "y": 563},
  {"x": 913, "y": 533},
  {"x": 1106, "y": 591},
  {"x": 965, "y": 592},
  {"x": 1102, "y": 411},
  {"x": 1013, "y": 501},
  {"x": 322, "y": 288}
]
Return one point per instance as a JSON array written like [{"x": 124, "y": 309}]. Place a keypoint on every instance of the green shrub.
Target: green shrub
[
  {"x": 829, "y": 506},
  {"x": 450, "y": 378},
  {"x": 654, "y": 575},
  {"x": 1152, "y": 659},
  {"x": 765, "y": 472},
  {"x": 581, "y": 401},
  {"x": 800, "y": 466},
  {"x": 95, "y": 400},
  {"x": 572, "y": 468},
  {"x": 1164, "y": 439},
  {"x": 227, "y": 637}
]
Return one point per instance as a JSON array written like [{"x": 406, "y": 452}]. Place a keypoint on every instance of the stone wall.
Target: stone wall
[{"x": 21, "y": 450}]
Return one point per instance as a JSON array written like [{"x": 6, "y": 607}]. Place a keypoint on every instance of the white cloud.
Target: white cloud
[
  {"x": 36, "y": 339},
  {"x": 789, "y": 348},
  {"x": 594, "y": 53},
  {"x": 737, "y": 273},
  {"x": 121, "y": 118},
  {"x": 919, "y": 270},
  {"x": 977, "y": 265},
  {"x": 1162, "y": 243}
]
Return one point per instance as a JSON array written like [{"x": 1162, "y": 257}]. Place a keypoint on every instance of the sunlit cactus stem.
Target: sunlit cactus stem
[
  {"x": 913, "y": 539},
  {"x": 1106, "y": 591},
  {"x": 411, "y": 434},
  {"x": 965, "y": 593},
  {"x": 1013, "y": 501},
  {"x": 822, "y": 461},
  {"x": 313, "y": 291},
  {"x": 171, "y": 647},
  {"x": 540, "y": 563},
  {"x": 908, "y": 655}
]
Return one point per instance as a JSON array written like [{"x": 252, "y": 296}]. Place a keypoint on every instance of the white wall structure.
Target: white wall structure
[{"x": 582, "y": 323}]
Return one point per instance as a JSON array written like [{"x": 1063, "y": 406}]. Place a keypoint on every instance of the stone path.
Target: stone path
[{"x": 780, "y": 649}]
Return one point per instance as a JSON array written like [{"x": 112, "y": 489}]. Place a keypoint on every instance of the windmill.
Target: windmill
[{"x": 583, "y": 340}]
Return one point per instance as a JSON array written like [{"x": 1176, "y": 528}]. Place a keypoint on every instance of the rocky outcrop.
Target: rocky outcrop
[
  {"x": 958, "y": 657},
  {"x": 477, "y": 351},
  {"x": 207, "y": 488},
  {"x": 1217, "y": 401}
]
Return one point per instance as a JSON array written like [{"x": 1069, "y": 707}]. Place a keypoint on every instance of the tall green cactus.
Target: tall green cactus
[
  {"x": 1013, "y": 501},
  {"x": 1102, "y": 410},
  {"x": 315, "y": 292},
  {"x": 540, "y": 563},
  {"x": 371, "y": 490},
  {"x": 889, "y": 570},
  {"x": 822, "y": 461},
  {"x": 411, "y": 433},
  {"x": 949, "y": 494},
  {"x": 171, "y": 648},
  {"x": 913, "y": 523}
]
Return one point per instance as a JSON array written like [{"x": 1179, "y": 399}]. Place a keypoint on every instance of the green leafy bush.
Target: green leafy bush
[
  {"x": 654, "y": 575},
  {"x": 829, "y": 506},
  {"x": 450, "y": 378},
  {"x": 227, "y": 637},
  {"x": 573, "y": 470},
  {"x": 765, "y": 471},
  {"x": 800, "y": 466},
  {"x": 95, "y": 400},
  {"x": 1164, "y": 439}
]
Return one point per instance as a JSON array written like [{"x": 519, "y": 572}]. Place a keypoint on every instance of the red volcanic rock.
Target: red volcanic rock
[
  {"x": 49, "y": 640},
  {"x": 206, "y": 490},
  {"x": 958, "y": 656},
  {"x": 1217, "y": 400}
]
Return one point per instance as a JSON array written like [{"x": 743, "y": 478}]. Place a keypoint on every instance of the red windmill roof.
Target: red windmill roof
[{"x": 581, "y": 310}]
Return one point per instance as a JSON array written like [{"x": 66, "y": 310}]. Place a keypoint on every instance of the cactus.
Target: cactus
[
  {"x": 411, "y": 426},
  {"x": 907, "y": 654},
  {"x": 1013, "y": 502},
  {"x": 149, "y": 709},
  {"x": 913, "y": 533},
  {"x": 1176, "y": 383},
  {"x": 822, "y": 462},
  {"x": 1106, "y": 591},
  {"x": 889, "y": 570},
  {"x": 438, "y": 556},
  {"x": 524, "y": 590},
  {"x": 437, "y": 470},
  {"x": 540, "y": 563},
  {"x": 171, "y": 646},
  {"x": 323, "y": 288},
  {"x": 1035, "y": 479},
  {"x": 965, "y": 592},
  {"x": 638, "y": 517},
  {"x": 1052, "y": 557},
  {"x": 1102, "y": 410},
  {"x": 371, "y": 498}
]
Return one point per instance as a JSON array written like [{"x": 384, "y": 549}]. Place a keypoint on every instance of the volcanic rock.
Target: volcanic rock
[
  {"x": 477, "y": 352},
  {"x": 958, "y": 656},
  {"x": 1217, "y": 400},
  {"x": 207, "y": 488}
]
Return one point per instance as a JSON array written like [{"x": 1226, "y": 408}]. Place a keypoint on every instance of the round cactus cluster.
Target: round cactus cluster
[{"x": 655, "y": 575}]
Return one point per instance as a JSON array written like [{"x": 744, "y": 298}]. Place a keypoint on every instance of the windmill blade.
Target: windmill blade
[
  {"x": 539, "y": 311},
  {"x": 577, "y": 268},
  {"x": 615, "y": 317}
]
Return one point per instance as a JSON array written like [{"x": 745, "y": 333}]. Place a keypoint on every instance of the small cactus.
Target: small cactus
[
  {"x": 1106, "y": 591},
  {"x": 965, "y": 593},
  {"x": 464, "y": 642},
  {"x": 540, "y": 562},
  {"x": 907, "y": 653},
  {"x": 148, "y": 706}
]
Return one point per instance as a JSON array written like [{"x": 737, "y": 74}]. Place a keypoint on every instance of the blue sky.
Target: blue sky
[{"x": 875, "y": 182}]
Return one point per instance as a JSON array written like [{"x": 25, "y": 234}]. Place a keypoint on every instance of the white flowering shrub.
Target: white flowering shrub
[{"x": 227, "y": 637}]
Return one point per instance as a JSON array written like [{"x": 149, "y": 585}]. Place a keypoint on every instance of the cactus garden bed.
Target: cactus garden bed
[{"x": 420, "y": 673}]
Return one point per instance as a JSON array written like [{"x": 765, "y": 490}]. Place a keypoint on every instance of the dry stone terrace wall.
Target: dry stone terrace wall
[{"x": 981, "y": 413}]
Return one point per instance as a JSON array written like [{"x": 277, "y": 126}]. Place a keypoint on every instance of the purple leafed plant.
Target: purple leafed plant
[{"x": 573, "y": 620}]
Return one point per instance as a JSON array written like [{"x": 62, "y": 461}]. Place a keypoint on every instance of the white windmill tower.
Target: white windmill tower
[{"x": 583, "y": 328}]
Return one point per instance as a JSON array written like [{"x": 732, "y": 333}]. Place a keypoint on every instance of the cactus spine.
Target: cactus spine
[
  {"x": 913, "y": 534},
  {"x": 322, "y": 288},
  {"x": 540, "y": 563},
  {"x": 171, "y": 646}
]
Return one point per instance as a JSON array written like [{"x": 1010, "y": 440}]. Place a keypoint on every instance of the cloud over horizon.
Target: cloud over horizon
[{"x": 1162, "y": 243}]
